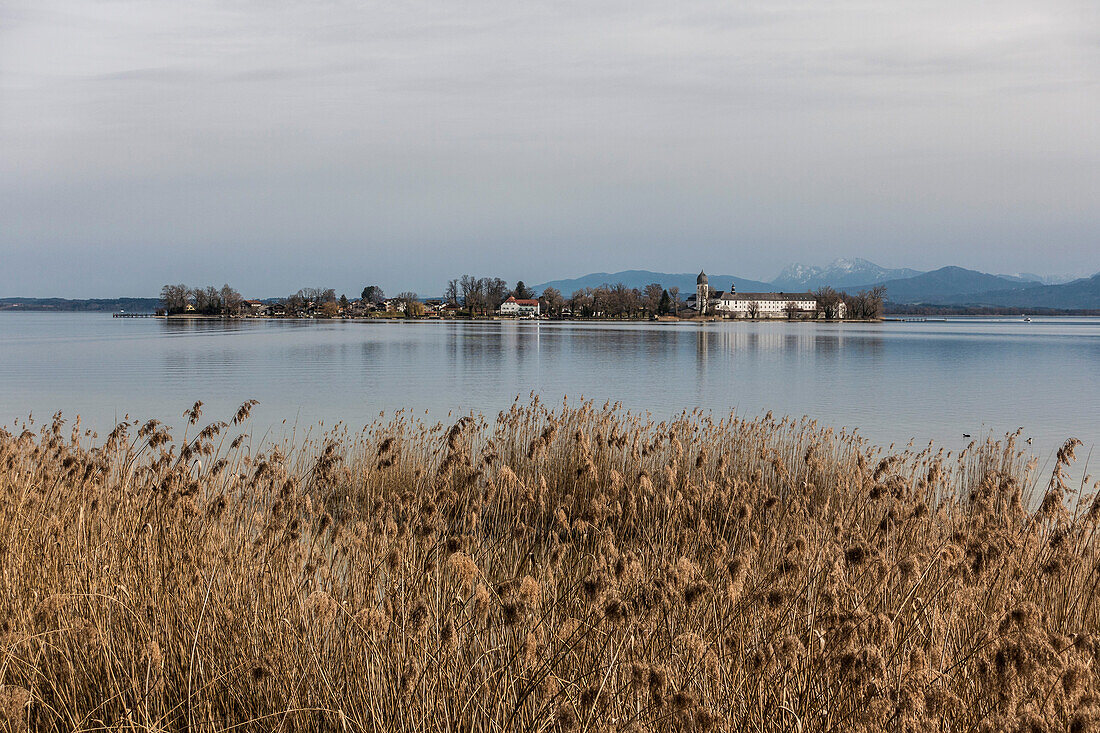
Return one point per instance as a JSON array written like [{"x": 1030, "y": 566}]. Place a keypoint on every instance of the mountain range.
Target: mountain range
[
  {"x": 685, "y": 281},
  {"x": 838, "y": 274},
  {"x": 131, "y": 305},
  {"x": 947, "y": 286},
  {"x": 1083, "y": 294}
]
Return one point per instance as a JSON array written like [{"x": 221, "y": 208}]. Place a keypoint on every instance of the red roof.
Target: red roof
[{"x": 521, "y": 301}]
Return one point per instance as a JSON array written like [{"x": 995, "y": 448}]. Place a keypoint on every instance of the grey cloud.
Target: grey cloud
[{"x": 409, "y": 142}]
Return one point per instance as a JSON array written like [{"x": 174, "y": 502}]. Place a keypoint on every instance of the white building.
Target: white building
[
  {"x": 752, "y": 305},
  {"x": 765, "y": 305},
  {"x": 520, "y": 307}
]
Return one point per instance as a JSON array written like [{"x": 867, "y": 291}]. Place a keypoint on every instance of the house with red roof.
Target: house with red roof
[{"x": 519, "y": 307}]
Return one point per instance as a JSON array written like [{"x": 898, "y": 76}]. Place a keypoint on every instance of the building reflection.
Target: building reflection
[{"x": 797, "y": 340}]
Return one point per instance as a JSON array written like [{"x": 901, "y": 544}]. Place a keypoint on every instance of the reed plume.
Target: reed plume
[{"x": 579, "y": 568}]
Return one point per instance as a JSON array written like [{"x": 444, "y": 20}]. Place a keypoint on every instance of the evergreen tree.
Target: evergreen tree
[{"x": 373, "y": 294}]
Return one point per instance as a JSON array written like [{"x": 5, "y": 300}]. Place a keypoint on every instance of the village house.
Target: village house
[
  {"x": 435, "y": 306},
  {"x": 752, "y": 305},
  {"x": 519, "y": 307}
]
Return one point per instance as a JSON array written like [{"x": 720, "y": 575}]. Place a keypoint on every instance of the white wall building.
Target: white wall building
[
  {"x": 519, "y": 307},
  {"x": 766, "y": 305},
  {"x": 753, "y": 305}
]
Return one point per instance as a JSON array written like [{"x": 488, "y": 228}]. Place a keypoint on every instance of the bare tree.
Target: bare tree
[
  {"x": 674, "y": 297},
  {"x": 618, "y": 299},
  {"x": 866, "y": 303},
  {"x": 318, "y": 296},
  {"x": 483, "y": 294},
  {"x": 828, "y": 302},
  {"x": 754, "y": 309},
  {"x": 174, "y": 298},
  {"x": 581, "y": 302},
  {"x": 451, "y": 293},
  {"x": 207, "y": 300},
  {"x": 470, "y": 291},
  {"x": 651, "y": 297},
  {"x": 409, "y": 303},
  {"x": 791, "y": 309},
  {"x": 854, "y": 305},
  {"x": 552, "y": 301},
  {"x": 231, "y": 300},
  {"x": 597, "y": 301},
  {"x": 876, "y": 301},
  {"x": 296, "y": 304},
  {"x": 496, "y": 291}
]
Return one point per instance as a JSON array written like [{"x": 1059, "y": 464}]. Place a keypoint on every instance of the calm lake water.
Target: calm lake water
[{"x": 894, "y": 381}]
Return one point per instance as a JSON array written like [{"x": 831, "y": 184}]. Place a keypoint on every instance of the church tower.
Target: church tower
[{"x": 702, "y": 293}]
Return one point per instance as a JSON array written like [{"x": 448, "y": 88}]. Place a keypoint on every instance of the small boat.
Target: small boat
[{"x": 1027, "y": 319}]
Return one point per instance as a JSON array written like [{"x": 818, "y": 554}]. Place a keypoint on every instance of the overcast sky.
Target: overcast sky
[{"x": 275, "y": 145}]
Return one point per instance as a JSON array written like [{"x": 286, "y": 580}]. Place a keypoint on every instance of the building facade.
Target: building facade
[
  {"x": 702, "y": 293},
  {"x": 732, "y": 304},
  {"x": 765, "y": 305},
  {"x": 519, "y": 307}
]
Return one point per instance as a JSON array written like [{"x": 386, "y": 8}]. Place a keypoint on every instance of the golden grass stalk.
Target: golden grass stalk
[{"x": 580, "y": 568}]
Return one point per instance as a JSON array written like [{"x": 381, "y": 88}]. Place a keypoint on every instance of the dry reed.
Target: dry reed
[{"x": 579, "y": 568}]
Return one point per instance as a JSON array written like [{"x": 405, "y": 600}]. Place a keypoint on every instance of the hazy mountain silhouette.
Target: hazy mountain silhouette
[{"x": 640, "y": 278}]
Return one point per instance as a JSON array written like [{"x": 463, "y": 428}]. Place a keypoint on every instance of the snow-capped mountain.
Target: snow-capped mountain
[
  {"x": 1044, "y": 279},
  {"x": 838, "y": 273}
]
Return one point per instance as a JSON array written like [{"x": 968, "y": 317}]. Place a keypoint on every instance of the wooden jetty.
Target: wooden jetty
[{"x": 916, "y": 319}]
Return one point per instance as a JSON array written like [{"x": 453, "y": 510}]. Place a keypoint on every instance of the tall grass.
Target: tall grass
[{"x": 576, "y": 568}]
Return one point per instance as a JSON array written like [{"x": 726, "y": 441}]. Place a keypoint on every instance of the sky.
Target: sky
[{"x": 329, "y": 143}]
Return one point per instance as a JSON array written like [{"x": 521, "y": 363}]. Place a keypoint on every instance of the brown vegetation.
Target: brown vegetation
[{"x": 581, "y": 569}]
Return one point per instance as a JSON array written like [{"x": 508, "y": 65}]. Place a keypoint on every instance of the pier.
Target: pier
[
  {"x": 133, "y": 315},
  {"x": 916, "y": 319}
]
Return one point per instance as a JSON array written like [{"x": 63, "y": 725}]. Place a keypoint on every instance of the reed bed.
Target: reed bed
[{"x": 567, "y": 568}]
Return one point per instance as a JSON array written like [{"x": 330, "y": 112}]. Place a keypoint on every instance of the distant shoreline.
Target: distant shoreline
[
  {"x": 506, "y": 319},
  {"x": 890, "y": 316},
  {"x": 150, "y": 305}
]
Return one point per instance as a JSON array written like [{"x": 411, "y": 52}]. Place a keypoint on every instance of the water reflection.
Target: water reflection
[
  {"x": 800, "y": 341},
  {"x": 894, "y": 381}
]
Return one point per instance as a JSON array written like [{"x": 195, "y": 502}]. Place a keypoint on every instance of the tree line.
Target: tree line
[
  {"x": 207, "y": 301},
  {"x": 325, "y": 302},
  {"x": 477, "y": 294},
  {"x": 484, "y": 295},
  {"x": 866, "y": 304},
  {"x": 617, "y": 301}
]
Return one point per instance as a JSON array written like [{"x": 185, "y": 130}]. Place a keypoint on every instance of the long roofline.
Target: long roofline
[{"x": 767, "y": 296}]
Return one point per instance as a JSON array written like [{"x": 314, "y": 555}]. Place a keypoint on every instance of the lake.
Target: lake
[{"x": 894, "y": 381}]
